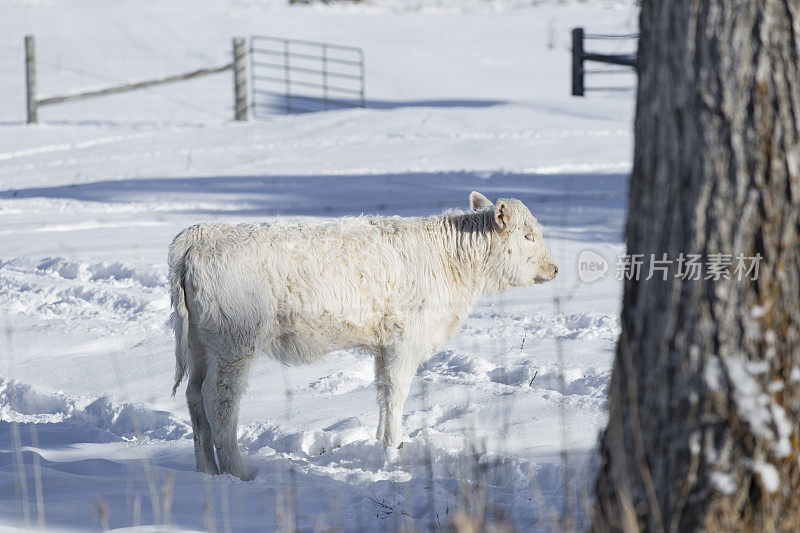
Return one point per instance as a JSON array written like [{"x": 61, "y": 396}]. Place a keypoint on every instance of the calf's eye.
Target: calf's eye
[{"x": 530, "y": 237}]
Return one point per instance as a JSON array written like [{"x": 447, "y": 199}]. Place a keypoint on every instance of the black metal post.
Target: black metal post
[{"x": 577, "y": 62}]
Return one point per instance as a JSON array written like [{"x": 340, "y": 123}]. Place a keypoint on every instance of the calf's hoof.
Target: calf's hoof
[{"x": 249, "y": 473}]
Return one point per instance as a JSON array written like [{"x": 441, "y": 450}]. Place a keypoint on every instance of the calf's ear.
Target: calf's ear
[
  {"x": 503, "y": 213},
  {"x": 478, "y": 201}
]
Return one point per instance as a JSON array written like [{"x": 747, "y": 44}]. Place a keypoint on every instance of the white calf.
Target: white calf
[{"x": 395, "y": 287}]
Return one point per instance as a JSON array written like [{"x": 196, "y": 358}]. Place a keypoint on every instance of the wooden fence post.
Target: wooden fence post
[
  {"x": 30, "y": 78},
  {"x": 577, "y": 62},
  {"x": 240, "y": 78}
]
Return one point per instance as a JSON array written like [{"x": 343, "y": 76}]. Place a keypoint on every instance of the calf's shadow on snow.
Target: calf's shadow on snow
[{"x": 587, "y": 207}]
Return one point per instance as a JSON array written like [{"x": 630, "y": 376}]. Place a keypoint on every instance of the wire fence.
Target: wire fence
[
  {"x": 34, "y": 101},
  {"x": 286, "y": 75}
]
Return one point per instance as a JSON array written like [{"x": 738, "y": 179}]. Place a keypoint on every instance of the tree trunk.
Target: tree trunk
[{"x": 704, "y": 400}]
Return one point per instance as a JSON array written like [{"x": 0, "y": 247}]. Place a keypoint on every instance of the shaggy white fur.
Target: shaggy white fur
[{"x": 395, "y": 287}]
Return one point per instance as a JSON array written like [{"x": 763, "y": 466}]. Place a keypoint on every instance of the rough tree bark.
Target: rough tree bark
[{"x": 704, "y": 400}]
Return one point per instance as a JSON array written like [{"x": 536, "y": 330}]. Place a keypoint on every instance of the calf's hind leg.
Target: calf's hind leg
[
  {"x": 380, "y": 385},
  {"x": 222, "y": 389},
  {"x": 201, "y": 431}
]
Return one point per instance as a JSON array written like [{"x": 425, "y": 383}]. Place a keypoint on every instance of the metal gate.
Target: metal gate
[{"x": 292, "y": 76}]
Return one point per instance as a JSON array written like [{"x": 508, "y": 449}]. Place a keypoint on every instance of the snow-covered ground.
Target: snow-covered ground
[{"x": 462, "y": 95}]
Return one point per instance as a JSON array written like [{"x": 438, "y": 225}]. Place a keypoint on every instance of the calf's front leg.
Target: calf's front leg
[{"x": 400, "y": 365}]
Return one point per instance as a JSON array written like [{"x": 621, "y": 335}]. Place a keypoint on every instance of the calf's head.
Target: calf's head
[{"x": 516, "y": 255}]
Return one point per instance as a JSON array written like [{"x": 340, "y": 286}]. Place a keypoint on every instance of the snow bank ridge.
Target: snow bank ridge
[{"x": 109, "y": 421}]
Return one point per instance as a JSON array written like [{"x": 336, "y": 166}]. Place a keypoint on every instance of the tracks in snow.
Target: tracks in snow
[{"x": 57, "y": 288}]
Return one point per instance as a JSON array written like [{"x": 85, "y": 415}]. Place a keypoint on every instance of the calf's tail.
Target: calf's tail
[{"x": 180, "y": 313}]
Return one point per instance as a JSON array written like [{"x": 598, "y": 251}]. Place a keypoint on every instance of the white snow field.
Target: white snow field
[{"x": 461, "y": 95}]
